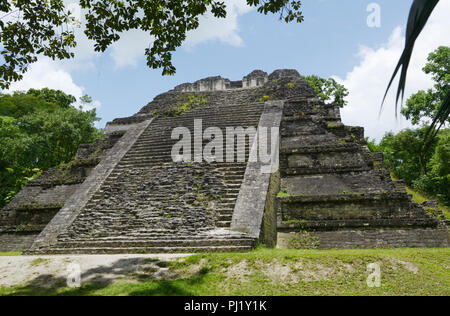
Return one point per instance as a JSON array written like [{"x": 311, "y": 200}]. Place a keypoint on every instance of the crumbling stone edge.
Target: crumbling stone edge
[
  {"x": 250, "y": 215},
  {"x": 75, "y": 204}
]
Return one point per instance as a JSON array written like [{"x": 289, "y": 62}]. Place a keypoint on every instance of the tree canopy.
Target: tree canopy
[
  {"x": 328, "y": 89},
  {"x": 428, "y": 170},
  {"x": 31, "y": 28},
  {"x": 20, "y": 103},
  {"x": 426, "y": 104},
  {"x": 38, "y": 130}
]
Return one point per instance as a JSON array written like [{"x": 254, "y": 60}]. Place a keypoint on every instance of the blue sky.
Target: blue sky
[{"x": 334, "y": 40}]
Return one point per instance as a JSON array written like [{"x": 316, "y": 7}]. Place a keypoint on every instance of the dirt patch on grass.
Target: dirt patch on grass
[
  {"x": 48, "y": 271},
  {"x": 239, "y": 271},
  {"x": 277, "y": 272},
  {"x": 280, "y": 272},
  {"x": 195, "y": 269},
  {"x": 408, "y": 266}
]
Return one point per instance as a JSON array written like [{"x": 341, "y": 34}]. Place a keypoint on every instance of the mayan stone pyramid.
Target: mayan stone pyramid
[{"x": 126, "y": 193}]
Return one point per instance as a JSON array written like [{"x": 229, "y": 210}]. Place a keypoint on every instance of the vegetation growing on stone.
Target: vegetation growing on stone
[
  {"x": 264, "y": 98},
  {"x": 298, "y": 222},
  {"x": 333, "y": 124},
  {"x": 303, "y": 240},
  {"x": 39, "y": 261},
  {"x": 283, "y": 194},
  {"x": 193, "y": 102},
  {"x": 328, "y": 89},
  {"x": 10, "y": 254}
]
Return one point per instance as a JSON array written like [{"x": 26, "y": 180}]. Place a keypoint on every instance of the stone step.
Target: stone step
[
  {"x": 390, "y": 208},
  {"x": 323, "y": 170},
  {"x": 166, "y": 156},
  {"x": 324, "y": 148},
  {"x": 141, "y": 243},
  {"x": 226, "y": 195},
  {"x": 210, "y": 111},
  {"x": 224, "y": 166},
  {"x": 224, "y": 205},
  {"x": 247, "y": 116},
  {"x": 158, "y": 234},
  {"x": 163, "y": 141},
  {"x": 225, "y": 217},
  {"x": 166, "y": 146},
  {"x": 301, "y": 118},
  {"x": 125, "y": 166},
  {"x": 343, "y": 197},
  {"x": 168, "y": 160},
  {"x": 334, "y": 184},
  {"x": 152, "y": 162},
  {"x": 167, "y": 149},
  {"x": 166, "y": 137},
  {"x": 230, "y": 188},
  {"x": 143, "y": 250},
  {"x": 328, "y": 225},
  {"x": 207, "y": 122},
  {"x": 223, "y": 224},
  {"x": 219, "y": 109},
  {"x": 225, "y": 211}
]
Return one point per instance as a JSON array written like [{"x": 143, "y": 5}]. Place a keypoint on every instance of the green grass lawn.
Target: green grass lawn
[{"x": 282, "y": 272}]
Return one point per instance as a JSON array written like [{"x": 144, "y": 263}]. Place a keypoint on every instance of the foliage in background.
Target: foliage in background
[
  {"x": 39, "y": 129},
  {"x": 437, "y": 180},
  {"x": 328, "y": 89},
  {"x": 425, "y": 171},
  {"x": 425, "y": 104}
]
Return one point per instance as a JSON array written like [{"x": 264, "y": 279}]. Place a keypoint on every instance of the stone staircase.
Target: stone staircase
[
  {"x": 331, "y": 182},
  {"x": 151, "y": 204}
]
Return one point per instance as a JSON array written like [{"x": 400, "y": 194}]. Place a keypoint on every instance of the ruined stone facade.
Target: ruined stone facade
[{"x": 125, "y": 194}]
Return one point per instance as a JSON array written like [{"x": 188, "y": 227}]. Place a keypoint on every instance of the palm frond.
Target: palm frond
[{"x": 418, "y": 16}]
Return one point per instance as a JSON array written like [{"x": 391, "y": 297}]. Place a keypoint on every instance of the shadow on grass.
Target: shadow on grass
[{"x": 143, "y": 277}]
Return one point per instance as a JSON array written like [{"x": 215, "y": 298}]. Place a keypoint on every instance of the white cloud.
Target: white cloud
[
  {"x": 225, "y": 29},
  {"x": 47, "y": 74},
  {"x": 130, "y": 48},
  {"x": 367, "y": 81}
]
